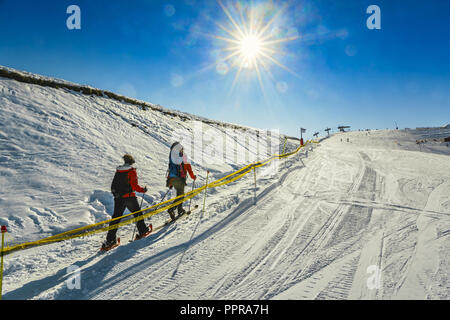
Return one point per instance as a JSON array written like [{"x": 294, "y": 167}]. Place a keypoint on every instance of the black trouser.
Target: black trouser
[
  {"x": 119, "y": 207},
  {"x": 178, "y": 184}
]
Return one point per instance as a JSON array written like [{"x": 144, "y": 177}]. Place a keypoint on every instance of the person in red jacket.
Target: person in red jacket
[{"x": 123, "y": 187}]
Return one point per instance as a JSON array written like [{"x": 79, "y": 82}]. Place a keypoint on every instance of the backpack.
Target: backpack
[
  {"x": 175, "y": 170},
  {"x": 120, "y": 184}
]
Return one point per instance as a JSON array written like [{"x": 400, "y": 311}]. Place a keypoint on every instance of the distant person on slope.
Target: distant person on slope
[
  {"x": 124, "y": 184},
  {"x": 178, "y": 167}
]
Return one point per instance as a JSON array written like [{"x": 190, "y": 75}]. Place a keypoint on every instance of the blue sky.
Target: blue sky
[{"x": 165, "y": 52}]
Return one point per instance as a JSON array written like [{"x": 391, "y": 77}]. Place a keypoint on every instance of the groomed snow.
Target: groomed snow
[{"x": 325, "y": 224}]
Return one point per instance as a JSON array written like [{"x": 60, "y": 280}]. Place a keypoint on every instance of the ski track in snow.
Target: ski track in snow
[{"x": 318, "y": 225}]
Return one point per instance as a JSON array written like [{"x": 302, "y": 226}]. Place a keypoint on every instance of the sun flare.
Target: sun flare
[
  {"x": 250, "y": 47},
  {"x": 252, "y": 39}
]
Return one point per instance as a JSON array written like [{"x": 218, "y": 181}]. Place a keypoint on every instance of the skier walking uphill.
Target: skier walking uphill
[
  {"x": 178, "y": 167},
  {"x": 124, "y": 184}
]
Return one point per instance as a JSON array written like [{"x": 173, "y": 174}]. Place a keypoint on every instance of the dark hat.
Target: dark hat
[
  {"x": 128, "y": 158},
  {"x": 174, "y": 144}
]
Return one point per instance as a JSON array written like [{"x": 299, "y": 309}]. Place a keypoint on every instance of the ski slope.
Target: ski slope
[{"x": 363, "y": 219}]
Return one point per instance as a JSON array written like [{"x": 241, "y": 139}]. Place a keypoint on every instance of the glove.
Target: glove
[
  {"x": 195, "y": 177},
  {"x": 145, "y": 189}
]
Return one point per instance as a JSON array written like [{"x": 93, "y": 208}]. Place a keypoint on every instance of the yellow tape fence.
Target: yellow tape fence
[{"x": 150, "y": 211}]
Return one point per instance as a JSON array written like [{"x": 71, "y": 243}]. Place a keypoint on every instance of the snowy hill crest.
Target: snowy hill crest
[{"x": 311, "y": 229}]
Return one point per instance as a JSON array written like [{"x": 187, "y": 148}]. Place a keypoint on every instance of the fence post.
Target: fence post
[
  {"x": 3, "y": 231},
  {"x": 204, "y": 199},
  {"x": 254, "y": 174}
]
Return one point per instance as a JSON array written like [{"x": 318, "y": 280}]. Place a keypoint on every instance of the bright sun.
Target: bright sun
[
  {"x": 252, "y": 38},
  {"x": 250, "y": 47}
]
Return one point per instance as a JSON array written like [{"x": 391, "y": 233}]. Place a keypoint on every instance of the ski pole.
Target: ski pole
[
  {"x": 284, "y": 146},
  {"x": 204, "y": 200},
  {"x": 165, "y": 195},
  {"x": 140, "y": 208},
  {"x": 3, "y": 231},
  {"x": 190, "y": 200},
  {"x": 142, "y": 201}
]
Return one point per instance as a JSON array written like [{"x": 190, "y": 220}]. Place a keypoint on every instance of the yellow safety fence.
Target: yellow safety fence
[{"x": 150, "y": 211}]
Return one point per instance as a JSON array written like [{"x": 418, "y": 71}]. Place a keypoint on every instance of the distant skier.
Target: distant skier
[
  {"x": 178, "y": 167},
  {"x": 124, "y": 184}
]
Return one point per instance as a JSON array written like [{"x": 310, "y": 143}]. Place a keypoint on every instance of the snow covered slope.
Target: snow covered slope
[
  {"x": 59, "y": 151},
  {"x": 367, "y": 218}
]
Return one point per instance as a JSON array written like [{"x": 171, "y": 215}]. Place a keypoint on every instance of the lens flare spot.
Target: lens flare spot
[
  {"x": 282, "y": 87},
  {"x": 222, "y": 68},
  {"x": 169, "y": 10}
]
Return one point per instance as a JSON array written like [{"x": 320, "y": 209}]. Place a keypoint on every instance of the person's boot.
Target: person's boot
[
  {"x": 181, "y": 212},
  {"x": 146, "y": 233},
  {"x": 108, "y": 245},
  {"x": 171, "y": 213}
]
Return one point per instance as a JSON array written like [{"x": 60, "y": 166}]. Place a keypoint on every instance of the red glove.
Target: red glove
[{"x": 188, "y": 168}]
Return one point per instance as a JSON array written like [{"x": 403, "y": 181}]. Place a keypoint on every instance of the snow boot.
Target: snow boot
[
  {"x": 171, "y": 213},
  {"x": 145, "y": 234},
  {"x": 106, "y": 246},
  {"x": 181, "y": 212}
]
